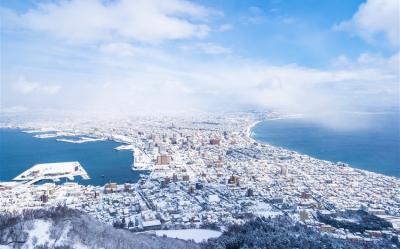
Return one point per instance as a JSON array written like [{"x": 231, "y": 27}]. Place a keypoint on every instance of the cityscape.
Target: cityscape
[
  {"x": 200, "y": 124},
  {"x": 209, "y": 172}
]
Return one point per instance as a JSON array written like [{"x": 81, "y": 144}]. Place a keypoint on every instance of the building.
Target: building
[
  {"x": 304, "y": 215},
  {"x": 44, "y": 198},
  {"x": 234, "y": 180},
  {"x": 165, "y": 182},
  {"x": 110, "y": 187},
  {"x": 284, "y": 170},
  {"x": 305, "y": 195},
  {"x": 127, "y": 187},
  {"x": 215, "y": 141},
  {"x": 151, "y": 225},
  {"x": 191, "y": 190},
  {"x": 163, "y": 160}
]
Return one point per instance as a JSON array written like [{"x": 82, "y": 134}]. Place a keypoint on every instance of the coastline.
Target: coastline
[
  {"x": 249, "y": 128},
  {"x": 252, "y": 139}
]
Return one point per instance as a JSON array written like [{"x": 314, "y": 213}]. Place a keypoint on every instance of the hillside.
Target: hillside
[
  {"x": 64, "y": 228},
  {"x": 282, "y": 233}
]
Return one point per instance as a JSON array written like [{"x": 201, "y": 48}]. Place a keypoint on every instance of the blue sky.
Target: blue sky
[
  {"x": 277, "y": 24},
  {"x": 140, "y": 56}
]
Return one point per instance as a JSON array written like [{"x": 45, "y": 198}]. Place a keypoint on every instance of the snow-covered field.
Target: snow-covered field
[{"x": 198, "y": 235}]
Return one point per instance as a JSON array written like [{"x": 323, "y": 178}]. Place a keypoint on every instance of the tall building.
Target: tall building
[
  {"x": 250, "y": 192},
  {"x": 44, "y": 198},
  {"x": 284, "y": 170},
  {"x": 191, "y": 190},
  {"x": 166, "y": 181}
]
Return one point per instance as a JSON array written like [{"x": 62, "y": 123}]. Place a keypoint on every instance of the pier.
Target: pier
[{"x": 52, "y": 171}]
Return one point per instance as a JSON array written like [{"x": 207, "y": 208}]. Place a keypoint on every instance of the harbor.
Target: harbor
[{"x": 21, "y": 150}]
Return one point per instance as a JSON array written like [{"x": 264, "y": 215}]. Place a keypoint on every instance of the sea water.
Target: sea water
[
  {"x": 19, "y": 151},
  {"x": 374, "y": 146}
]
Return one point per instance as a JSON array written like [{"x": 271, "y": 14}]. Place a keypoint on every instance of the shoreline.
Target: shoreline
[
  {"x": 249, "y": 136},
  {"x": 250, "y": 127}
]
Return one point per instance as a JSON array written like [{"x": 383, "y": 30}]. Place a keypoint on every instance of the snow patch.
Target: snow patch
[
  {"x": 40, "y": 231},
  {"x": 198, "y": 235}
]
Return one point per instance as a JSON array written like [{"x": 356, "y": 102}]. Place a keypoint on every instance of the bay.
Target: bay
[{"x": 19, "y": 151}]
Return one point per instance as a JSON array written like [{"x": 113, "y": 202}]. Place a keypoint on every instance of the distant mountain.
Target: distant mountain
[{"x": 63, "y": 228}]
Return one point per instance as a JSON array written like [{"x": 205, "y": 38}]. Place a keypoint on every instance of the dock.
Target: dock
[{"x": 52, "y": 171}]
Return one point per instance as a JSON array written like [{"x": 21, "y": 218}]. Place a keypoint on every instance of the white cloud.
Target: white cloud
[
  {"x": 118, "y": 49},
  {"x": 132, "y": 75},
  {"x": 13, "y": 109},
  {"x": 368, "y": 60},
  {"x": 375, "y": 19},
  {"x": 224, "y": 84},
  {"x": 206, "y": 48},
  {"x": 212, "y": 48},
  {"x": 24, "y": 86},
  {"x": 256, "y": 15},
  {"x": 148, "y": 21},
  {"x": 225, "y": 27},
  {"x": 237, "y": 83}
]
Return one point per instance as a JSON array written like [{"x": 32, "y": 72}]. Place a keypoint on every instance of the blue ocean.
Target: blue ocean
[
  {"x": 374, "y": 145},
  {"x": 19, "y": 151}
]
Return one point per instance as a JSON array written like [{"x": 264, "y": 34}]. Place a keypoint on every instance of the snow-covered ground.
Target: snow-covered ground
[
  {"x": 264, "y": 209},
  {"x": 39, "y": 234},
  {"x": 80, "y": 140},
  {"x": 62, "y": 227},
  {"x": 125, "y": 147},
  {"x": 198, "y": 235},
  {"x": 45, "y": 135}
]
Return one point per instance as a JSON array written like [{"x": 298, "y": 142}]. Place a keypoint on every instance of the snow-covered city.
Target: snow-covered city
[{"x": 208, "y": 173}]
